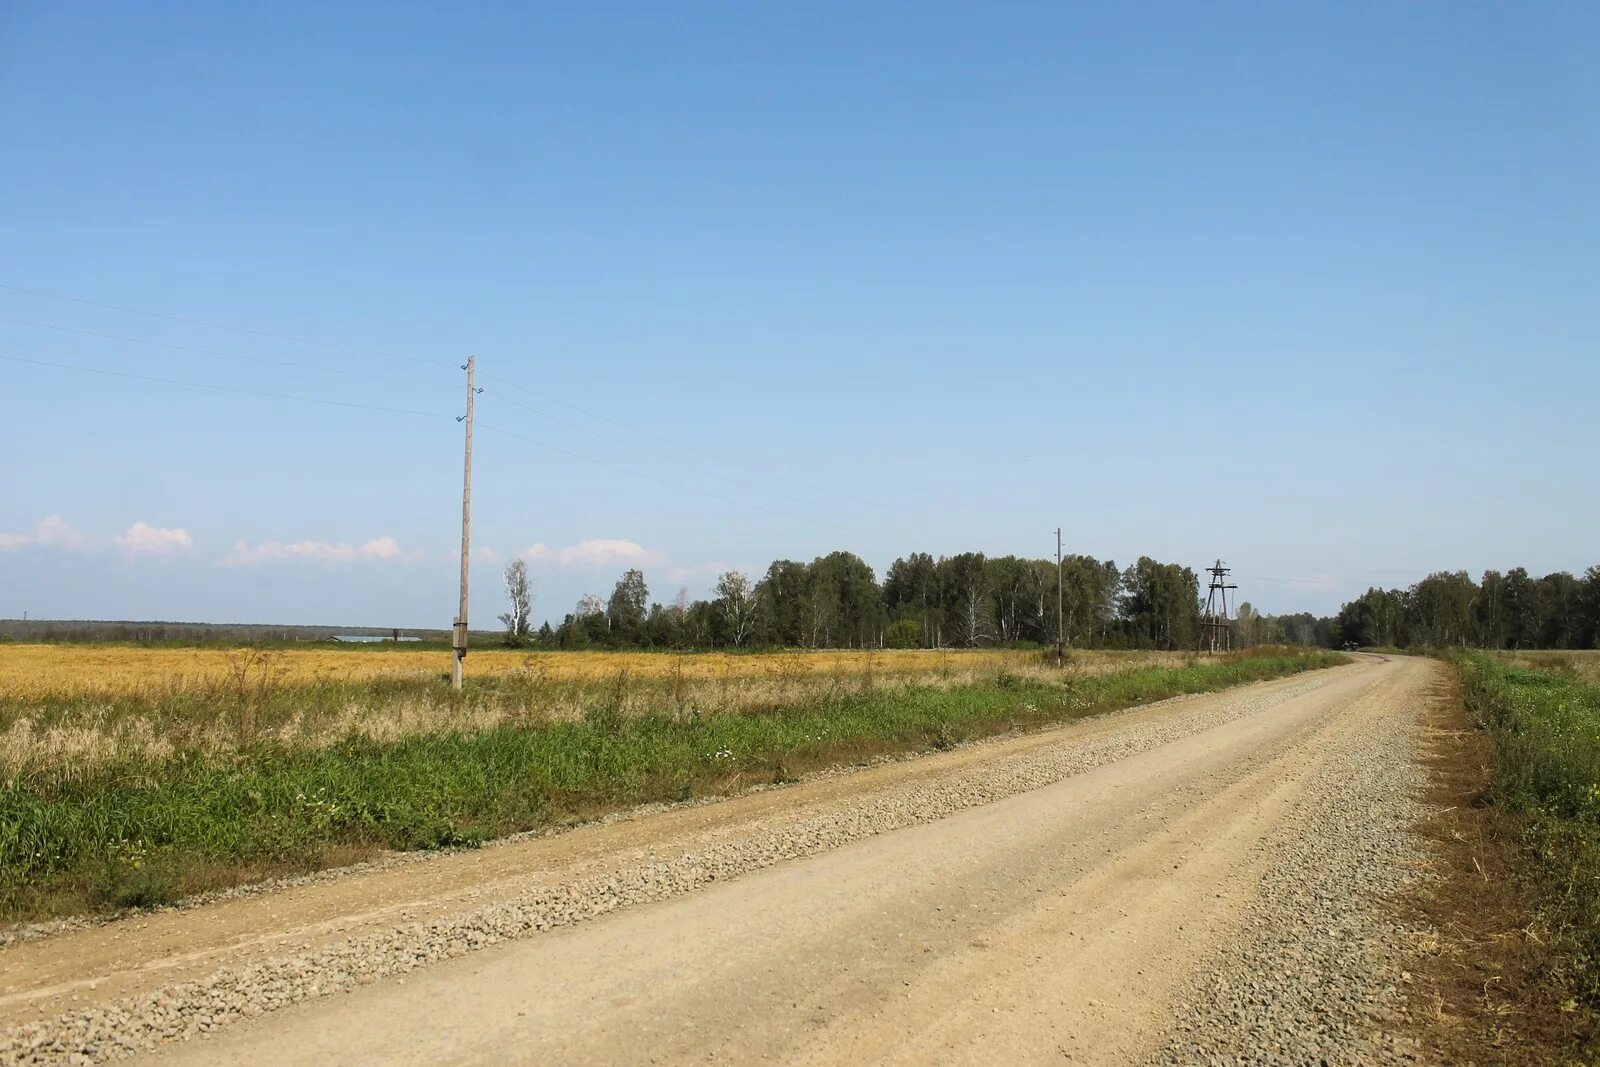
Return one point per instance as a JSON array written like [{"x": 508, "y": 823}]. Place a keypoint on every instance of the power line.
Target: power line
[
  {"x": 648, "y": 452},
  {"x": 224, "y": 355},
  {"x": 391, "y": 378},
  {"x": 223, "y": 388},
  {"x": 1292, "y": 581},
  {"x": 660, "y": 481},
  {"x": 411, "y": 411},
  {"x": 652, "y": 435},
  {"x": 224, "y": 326},
  {"x": 391, "y": 355}
]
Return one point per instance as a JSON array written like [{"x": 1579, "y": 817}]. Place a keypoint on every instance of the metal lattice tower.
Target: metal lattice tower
[{"x": 1216, "y": 628}]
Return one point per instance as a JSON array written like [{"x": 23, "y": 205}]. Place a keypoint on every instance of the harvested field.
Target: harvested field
[
  {"x": 65, "y": 670},
  {"x": 79, "y": 706},
  {"x": 1581, "y": 664}
]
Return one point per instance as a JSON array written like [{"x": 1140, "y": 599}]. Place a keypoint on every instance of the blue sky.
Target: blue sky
[{"x": 1311, "y": 288}]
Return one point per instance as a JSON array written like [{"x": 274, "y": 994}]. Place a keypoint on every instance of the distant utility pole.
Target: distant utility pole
[
  {"x": 1061, "y": 636},
  {"x": 1215, "y": 627},
  {"x": 459, "y": 632}
]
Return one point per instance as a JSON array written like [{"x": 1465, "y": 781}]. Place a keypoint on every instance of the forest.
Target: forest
[
  {"x": 972, "y": 600},
  {"x": 967, "y": 600},
  {"x": 1510, "y": 610}
]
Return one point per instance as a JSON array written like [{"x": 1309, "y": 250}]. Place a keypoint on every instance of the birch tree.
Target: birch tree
[{"x": 519, "y": 591}]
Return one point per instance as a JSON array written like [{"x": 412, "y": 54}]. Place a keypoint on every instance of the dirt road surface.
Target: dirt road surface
[{"x": 1203, "y": 879}]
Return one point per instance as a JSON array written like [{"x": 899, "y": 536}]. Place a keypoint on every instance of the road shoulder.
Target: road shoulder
[{"x": 1486, "y": 986}]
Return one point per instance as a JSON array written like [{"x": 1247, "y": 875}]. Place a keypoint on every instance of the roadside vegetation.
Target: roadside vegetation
[
  {"x": 1542, "y": 713},
  {"x": 65, "y": 709},
  {"x": 111, "y": 799}
]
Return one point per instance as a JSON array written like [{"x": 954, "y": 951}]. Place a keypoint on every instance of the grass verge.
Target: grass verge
[
  {"x": 143, "y": 832},
  {"x": 1486, "y": 985},
  {"x": 1524, "y": 831}
]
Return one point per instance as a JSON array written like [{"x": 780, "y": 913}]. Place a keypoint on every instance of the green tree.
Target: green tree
[
  {"x": 904, "y": 633},
  {"x": 781, "y": 604},
  {"x": 1160, "y": 603},
  {"x": 736, "y": 605},
  {"x": 963, "y": 582},
  {"x": 911, "y": 591},
  {"x": 1442, "y": 608},
  {"x": 626, "y": 609}
]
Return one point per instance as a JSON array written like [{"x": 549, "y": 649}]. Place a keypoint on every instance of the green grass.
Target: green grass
[
  {"x": 1546, "y": 728},
  {"x": 139, "y": 832}
]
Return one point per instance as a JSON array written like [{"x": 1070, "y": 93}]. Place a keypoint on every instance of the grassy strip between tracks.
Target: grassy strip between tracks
[
  {"x": 141, "y": 832},
  {"x": 1545, "y": 725}
]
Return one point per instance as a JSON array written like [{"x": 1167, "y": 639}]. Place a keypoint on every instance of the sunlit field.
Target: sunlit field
[
  {"x": 65, "y": 707},
  {"x": 64, "y": 670},
  {"x": 134, "y": 776},
  {"x": 1583, "y": 665}
]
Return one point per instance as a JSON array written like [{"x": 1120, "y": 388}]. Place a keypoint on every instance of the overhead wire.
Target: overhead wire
[
  {"x": 654, "y": 436},
  {"x": 223, "y": 388},
  {"x": 328, "y": 402},
  {"x": 228, "y": 355},
  {"x": 224, "y": 326},
  {"x": 660, "y": 481},
  {"x": 506, "y": 383},
  {"x": 645, "y": 451},
  {"x": 212, "y": 324}
]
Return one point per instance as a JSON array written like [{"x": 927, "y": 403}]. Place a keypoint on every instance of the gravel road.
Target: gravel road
[{"x": 1203, "y": 879}]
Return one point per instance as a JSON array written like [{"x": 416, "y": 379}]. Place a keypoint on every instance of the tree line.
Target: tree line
[
  {"x": 967, "y": 600},
  {"x": 1509, "y": 610}
]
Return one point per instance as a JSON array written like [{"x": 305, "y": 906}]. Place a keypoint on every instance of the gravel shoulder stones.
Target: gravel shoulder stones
[
  {"x": 1315, "y": 975},
  {"x": 193, "y": 1008}
]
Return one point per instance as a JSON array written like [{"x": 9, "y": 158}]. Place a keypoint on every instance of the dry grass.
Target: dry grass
[
  {"x": 65, "y": 670},
  {"x": 78, "y": 707},
  {"x": 1581, "y": 664}
]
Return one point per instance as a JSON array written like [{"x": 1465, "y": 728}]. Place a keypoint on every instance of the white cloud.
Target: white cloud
[
  {"x": 51, "y": 530},
  {"x": 142, "y": 537},
  {"x": 602, "y": 553},
  {"x": 54, "y": 530},
  {"x": 485, "y": 554},
  {"x": 596, "y": 553},
  {"x": 320, "y": 551},
  {"x": 381, "y": 548}
]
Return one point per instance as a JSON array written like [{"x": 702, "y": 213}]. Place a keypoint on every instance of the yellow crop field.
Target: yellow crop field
[
  {"x": 79, "y": 706},
  {"x": 38, "y": 671}
]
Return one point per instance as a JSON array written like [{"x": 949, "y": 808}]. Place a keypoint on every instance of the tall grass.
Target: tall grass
[
  {"x": 66, "y": 709},
  {"x": 145, "y": 828},
  {"x": 1546, "y": 727}
]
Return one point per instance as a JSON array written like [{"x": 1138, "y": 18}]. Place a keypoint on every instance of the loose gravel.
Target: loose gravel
[
  {"x": 188, "y": 1009},
  {"x": 1315, "y": 975}
]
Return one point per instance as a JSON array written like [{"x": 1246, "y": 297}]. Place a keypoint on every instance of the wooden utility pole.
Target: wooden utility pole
[
  {"x": 1061, "y": 637},
  {"x": 458, "y": 635}
]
